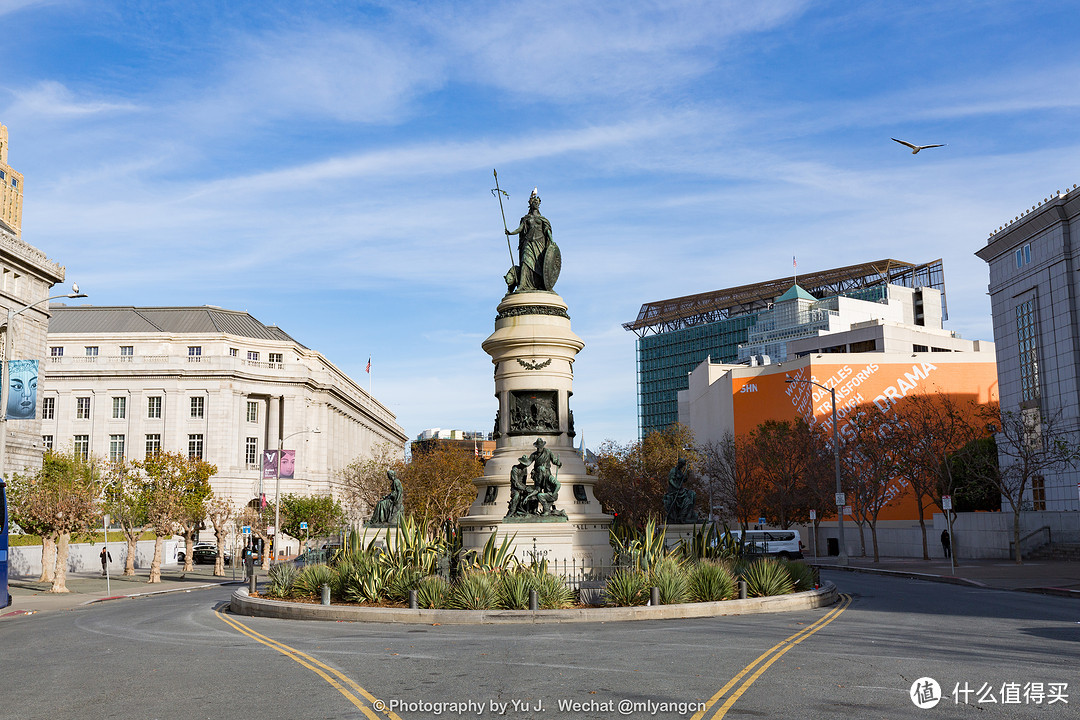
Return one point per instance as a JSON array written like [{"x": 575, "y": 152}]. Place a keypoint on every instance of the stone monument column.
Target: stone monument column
[{"x": 533, "y": 350}]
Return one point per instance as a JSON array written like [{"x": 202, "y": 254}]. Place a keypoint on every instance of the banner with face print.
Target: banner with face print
[
  {"x": 22, "y": 380},
  {"x": 287, "y": 466}
]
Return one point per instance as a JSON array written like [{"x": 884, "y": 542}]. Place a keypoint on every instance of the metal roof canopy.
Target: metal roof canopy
[
  {"x": 206, "y": 319},
  {"x": 703, "y": 308}
]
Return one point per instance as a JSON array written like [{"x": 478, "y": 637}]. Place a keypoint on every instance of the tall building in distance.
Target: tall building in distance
[
  {"x": 122, "y": 382},
  {"x": 754, "y": 323},
  {"x": 11, "y": 191},
  {"x": 26, "y": 277},
  {"x": 1035, "y": 302}
]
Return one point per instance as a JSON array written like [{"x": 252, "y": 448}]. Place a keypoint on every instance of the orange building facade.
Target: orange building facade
[{"x": 738, "y": 398}]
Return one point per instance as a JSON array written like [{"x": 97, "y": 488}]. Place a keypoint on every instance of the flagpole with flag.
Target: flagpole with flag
[
  {"x": 368, "y": 371},
  {"x": 795, "y": 267}
]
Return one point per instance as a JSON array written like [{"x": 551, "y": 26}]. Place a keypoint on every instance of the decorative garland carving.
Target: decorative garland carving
[
  {"x": 533, "y": 366},
  {"x": 533, "y": 310}
]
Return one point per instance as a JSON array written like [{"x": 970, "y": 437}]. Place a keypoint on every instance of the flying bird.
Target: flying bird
[{"x": 916, "y": 148}]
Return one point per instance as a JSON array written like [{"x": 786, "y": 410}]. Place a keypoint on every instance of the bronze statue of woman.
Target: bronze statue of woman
[{"x": 534, "y": 238}]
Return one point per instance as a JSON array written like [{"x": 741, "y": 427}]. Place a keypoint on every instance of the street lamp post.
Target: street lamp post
[
  {"x": 11, "y": 315},
  {"x": 836, "y": 459},
  {"x": 277, "y": 486}
]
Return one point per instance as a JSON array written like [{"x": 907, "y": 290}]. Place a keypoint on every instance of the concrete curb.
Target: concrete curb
[
  {"x": 166, "y": 591},
  {"x": 904, "y": 574},
  {"x": 243, "y": 604}
]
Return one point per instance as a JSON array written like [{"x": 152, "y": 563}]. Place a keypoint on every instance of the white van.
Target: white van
[{"x": 784, "y": 544}]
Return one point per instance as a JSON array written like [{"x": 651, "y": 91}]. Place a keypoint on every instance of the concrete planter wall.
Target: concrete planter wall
[
  {"x": 86, "y": 557},
  {"x": 243, "y": 604}
]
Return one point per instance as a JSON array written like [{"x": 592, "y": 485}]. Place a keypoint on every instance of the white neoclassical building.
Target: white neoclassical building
[{"x": 124, "y": 381}]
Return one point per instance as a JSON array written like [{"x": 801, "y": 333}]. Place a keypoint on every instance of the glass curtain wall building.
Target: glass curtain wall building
[{"x": 676, "y": 335}]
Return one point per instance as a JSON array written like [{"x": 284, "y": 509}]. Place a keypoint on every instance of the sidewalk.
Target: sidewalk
[
  {"x": 30, "y": 596},
  {"x": 1052, "y": 577}
]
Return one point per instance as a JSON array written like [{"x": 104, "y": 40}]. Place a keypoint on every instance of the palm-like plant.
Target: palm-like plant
[
  {"x": 475, "y": 590},
  {"x": 311, "y": 579},
  {"x": 282, "y": 577},
  {"x": 767, "y": 576},
  {"x": 670, "y": 577},
  {"x": 711, "y": 581},
  {"x": 627, "y": 586},
  {"x": 804, "y": 576},
  {"x": 432, "y": 592}
]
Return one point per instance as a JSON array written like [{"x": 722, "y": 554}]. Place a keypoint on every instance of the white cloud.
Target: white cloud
[{"x": 50, "y": 99}]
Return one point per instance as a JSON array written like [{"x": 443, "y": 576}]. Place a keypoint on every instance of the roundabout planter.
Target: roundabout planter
[{"x": 244, "y": 604}]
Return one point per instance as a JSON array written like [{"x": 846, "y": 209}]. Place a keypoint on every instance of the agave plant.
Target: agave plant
[
  {"x": 282, "y": 577},
  {"x": 514, "y": 589},
  {"x": 711, "y": 581},
  {"x": 433, "y": 592},
  {"x": 474, "y": 590},
  {"x": 627, "y": 586},
  {"x": 767, "y": 576},
  {"x": 311, "y": 579},
  {"x": 804, "y": 576},
  {"x": 553, "y": 591},
  {"x": 365, "y": 584},
  {"x": 640, "y": 549},
  {"x": 492, "y": 558},
  {"x": 413, "y": 547},
  {"x": 400, "y": 581},
  {"x": 670, "y": 577}
]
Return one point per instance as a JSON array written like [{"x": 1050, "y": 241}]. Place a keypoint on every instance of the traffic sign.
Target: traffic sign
[
  {"x": 847, "y": 509},
  {"x": 303, "y": 525},
  {"x": 840, "y": 499},
  {"x": 946, "y": 502},
  {"x": 245, "y": 530},
  {"x": 813, "y": 514}
]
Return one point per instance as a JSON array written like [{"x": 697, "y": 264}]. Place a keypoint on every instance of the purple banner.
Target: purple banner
[{"x": 270, "y": 464}]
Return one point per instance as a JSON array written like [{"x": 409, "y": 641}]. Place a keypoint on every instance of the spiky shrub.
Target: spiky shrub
[
  {"x": 282, "y": 577},
  {"x": 311, "y": 579},
  {"x": 553, "y": 592},
  {"x": 802, "y": 575},
  {"x": 670, "y": 577},
  {"x": 767, "y": 576},
  {"x": 514, "y": 590},
  {"x": 474, "y": 591},
  {"x": 711, "y": 581},
  {"x": 365, "y": 585},
  {"x": 627, "y": 586},
  {"x": 640, "y": 549},
  {"x": 432, "y": 592},
  {"x": 400, "y": 581},
  {"x": 492, "y": 558}
]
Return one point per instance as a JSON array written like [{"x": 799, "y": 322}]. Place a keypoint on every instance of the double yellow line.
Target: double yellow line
[
  {"x": 338, "y": 680},
  {"x": 766, "y": 659}
]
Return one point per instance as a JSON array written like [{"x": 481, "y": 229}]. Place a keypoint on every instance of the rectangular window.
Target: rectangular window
[
  {"x": 1038, "y": 493},
  {"x": 1023, "y": 256},
  {"x": 275, "y": 358},
  {"x": 47, "y": 441},
  {"x": 48, "y": 408},
  {"x": 198, "y": 407},
  {"x": 194, "y": 353},
  {"x": 233, "y": 352},
  {"x": 82, "y": 446},
  {"x": 116, "y": 448},
  {"x": 251, "y": 451},
  {"x": 119, "y": 408},
  {"x": 1027, "y": 345},
  {"x": 82, "y": 408},
  {"x": 127, "y": 350},
  {"x": 153, "y": 407},
  {"x": 253, "y": 355},
  {"x": 252, "y": 411},
  {"x": 91, "y": 351},
  {"x": 195, "y": 446},
  {"x": 56, "y": 351},
  {"x": 153, "y": 444}
]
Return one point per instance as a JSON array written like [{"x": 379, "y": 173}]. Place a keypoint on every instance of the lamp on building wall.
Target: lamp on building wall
[
  {"x": 843, "y": 559},
  {"x": 11, "y": 315},
  {"x": 277, "y": 486}
]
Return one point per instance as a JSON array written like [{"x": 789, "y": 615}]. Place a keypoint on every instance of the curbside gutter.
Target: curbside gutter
[
  {"x": 243, "y": 604},
  {"x": 911, "y": 575}
]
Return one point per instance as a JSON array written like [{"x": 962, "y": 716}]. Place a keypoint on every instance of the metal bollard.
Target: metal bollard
[
  {"x": 251, "y": 583},
  {"x": 325, "y": 594},
  {"x": 654, "y": 596},
  {"x": 534, "y": 600},
  {"x": 414, "y": 601},
  {"x": 742, "y": 589}
]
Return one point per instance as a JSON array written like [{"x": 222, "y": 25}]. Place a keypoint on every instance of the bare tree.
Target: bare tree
[
  {"x": 221, "y": 513},
  {"x": 1029, "y": 447},
  {"x": 783, "y": 458},
  {"x": 363, "y": 481},
  {"x": 871, "y": 461},
  {"x": 125, "y": 501},
  {"x": 732, "y": 481}
]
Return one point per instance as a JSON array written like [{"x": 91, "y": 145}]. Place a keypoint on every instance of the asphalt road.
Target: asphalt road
[{"x": 182, "y": 656}]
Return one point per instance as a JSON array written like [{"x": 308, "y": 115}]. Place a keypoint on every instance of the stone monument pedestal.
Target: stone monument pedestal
[{"x": 533, "y": 350}]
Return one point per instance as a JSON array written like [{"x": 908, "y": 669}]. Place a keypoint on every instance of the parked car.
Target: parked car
[
  {"x": 203, "y": 552},
  {"x": 784, "y": 544},
  {"x": 311, "y": 557}
]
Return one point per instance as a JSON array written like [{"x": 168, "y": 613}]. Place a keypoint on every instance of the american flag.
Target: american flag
[{"x": 368, "y": 368}]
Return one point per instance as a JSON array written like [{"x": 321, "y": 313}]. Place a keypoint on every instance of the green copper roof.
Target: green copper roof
[{"x": 794, "y": 293}]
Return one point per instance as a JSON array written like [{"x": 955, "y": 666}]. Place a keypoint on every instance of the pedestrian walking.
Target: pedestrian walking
[
  {"x": 946, "y": 544},
  {"x": 106, "y": 558}
]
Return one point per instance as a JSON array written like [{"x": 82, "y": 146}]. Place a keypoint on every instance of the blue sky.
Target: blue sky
[{"x": 327, "y": 166}]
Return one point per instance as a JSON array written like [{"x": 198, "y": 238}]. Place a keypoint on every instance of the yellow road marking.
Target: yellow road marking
[
  {"x": 319, "y": 668},
  {"x": 775, "y": 652}
]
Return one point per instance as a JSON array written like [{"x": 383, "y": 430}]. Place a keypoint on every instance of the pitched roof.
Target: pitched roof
[
  {"x": 174, "y": 320},
  {"x": 794, "y": 293}
]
